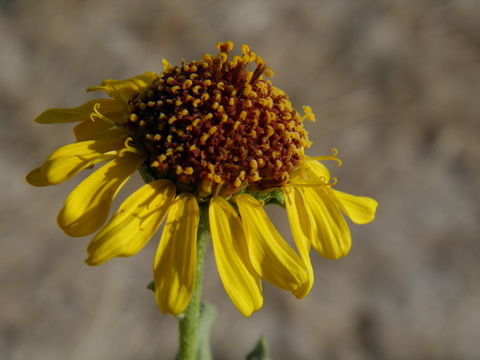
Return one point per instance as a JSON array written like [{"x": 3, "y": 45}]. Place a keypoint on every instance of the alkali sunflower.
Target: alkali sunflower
[{"x": 209, "y": 133}]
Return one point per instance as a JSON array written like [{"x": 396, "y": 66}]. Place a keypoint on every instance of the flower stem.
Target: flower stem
[{"x": 189, "y": 320}]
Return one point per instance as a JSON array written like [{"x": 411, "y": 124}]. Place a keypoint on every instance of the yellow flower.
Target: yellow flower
[{"x": 208, "y": 133}]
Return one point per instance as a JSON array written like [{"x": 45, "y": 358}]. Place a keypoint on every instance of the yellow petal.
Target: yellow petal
[
  {"x": 134, "y": 223},
  {"x": 271, "y": 256},
  {"x": 358, "y": 208},
  {"x": 166, "y": 65},
  {"x": 36, "y": 178},
  {"x": 122, "y": 90},
  {"x": 88, "y": 205},
  {"x": 80, "y": 113},
  {"x": 240, "y": 280},
  {"x": 331, "y": 236},
  {"x": 301, "y": 231},
  {"x": 90, "y": 130},
  {"x": 176, "y": 257},
  {"x": 310, "y": 171},
  {"x": 318, "y": 170},
  {"x": 68, "y": 160}
]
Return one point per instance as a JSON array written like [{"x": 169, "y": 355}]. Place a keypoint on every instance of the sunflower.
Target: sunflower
[{"x": 209, "y": 136}]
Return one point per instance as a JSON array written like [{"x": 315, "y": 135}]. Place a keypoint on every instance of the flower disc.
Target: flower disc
[{"x": 214, "y": 122}]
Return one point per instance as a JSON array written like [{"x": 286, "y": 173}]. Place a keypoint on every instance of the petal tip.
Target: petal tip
[
  {"x": 69, "y": 228},
  {"x": 252, "y": 310},
  {"x": 91, "y": 262},
  {"x": 41, "y": 119},
  {"x": 35, "y": 178}
]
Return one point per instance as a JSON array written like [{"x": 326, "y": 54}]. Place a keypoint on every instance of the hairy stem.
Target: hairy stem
[{"x": 190, "y": 319}]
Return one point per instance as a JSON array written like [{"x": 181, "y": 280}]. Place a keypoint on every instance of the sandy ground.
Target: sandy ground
[{"x": 395, "y": 86}]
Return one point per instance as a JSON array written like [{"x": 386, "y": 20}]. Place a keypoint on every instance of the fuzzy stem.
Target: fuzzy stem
[{"x": 189, "y": 320}]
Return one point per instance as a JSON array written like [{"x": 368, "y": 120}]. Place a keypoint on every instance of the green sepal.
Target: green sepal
[
  {"x": 151, "y": 286},
  {"x": 147, "y": 176},
  {"x": 275, "y": 196},
  {"x": 260, "y": 352}
]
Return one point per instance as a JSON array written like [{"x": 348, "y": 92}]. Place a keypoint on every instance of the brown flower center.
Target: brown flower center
[{"x": 213, "y": 125}]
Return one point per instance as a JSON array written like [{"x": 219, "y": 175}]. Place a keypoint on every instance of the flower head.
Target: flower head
[
  {"x": 213, "y": 125},
  {"x": 211, "y": 133}
]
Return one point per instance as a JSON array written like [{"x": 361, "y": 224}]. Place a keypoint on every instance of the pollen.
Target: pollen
[{"x": 216, "y": 125}]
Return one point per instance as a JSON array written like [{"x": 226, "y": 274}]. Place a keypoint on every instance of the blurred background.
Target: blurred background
[{"x": 395, "y": 87}]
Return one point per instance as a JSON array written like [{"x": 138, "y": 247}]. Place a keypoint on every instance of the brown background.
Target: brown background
[{"x": 395, "y": 86}]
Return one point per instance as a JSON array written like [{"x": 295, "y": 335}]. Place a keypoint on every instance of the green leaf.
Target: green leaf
[{"x": 260, "y": 352}]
